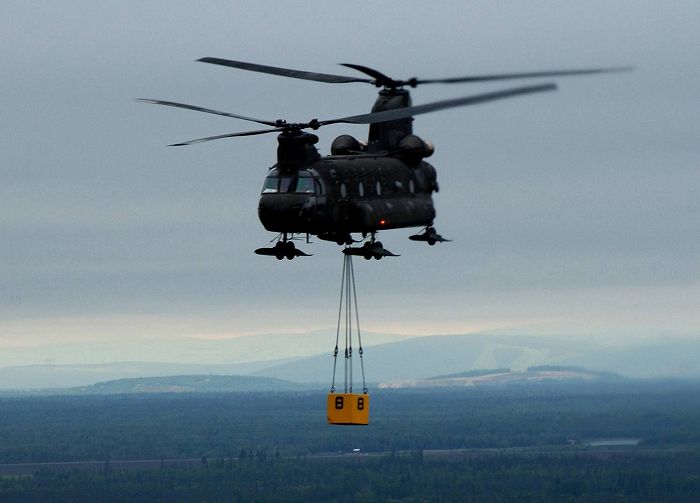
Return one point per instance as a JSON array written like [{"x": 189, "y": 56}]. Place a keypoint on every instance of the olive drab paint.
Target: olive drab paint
[{"x": 338, "y": 203}]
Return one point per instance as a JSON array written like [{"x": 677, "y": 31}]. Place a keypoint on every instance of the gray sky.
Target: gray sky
[{"x": 572, "y": 212}]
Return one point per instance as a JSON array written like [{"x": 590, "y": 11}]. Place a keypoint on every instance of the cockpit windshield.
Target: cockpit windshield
[{"x": 302, "y": 183}]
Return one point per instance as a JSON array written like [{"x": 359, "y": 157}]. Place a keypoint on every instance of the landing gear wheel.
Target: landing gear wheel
[
  {"x": 367, "y": 251},
  {"x": 370, "y": 250},
  {"x": 282, "y": 249},
  {"x": 289, "y": 250},
  {"x": 378, "y": 246},
  {"x": 347, "y": 240},
  {"x": 430, "y": 231}
]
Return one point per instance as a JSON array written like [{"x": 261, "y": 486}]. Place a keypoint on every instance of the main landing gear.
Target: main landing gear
[
  {"x": 371, "y": 249},
  {"x": 430, "y": 236},
  {"x": 283, "y": 249}
]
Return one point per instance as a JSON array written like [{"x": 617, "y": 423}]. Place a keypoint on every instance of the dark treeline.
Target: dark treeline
[
  {"x": 405, "y": 478},
  {"x": 114, "y": 427},
  {"x": 260, "y": 446}
]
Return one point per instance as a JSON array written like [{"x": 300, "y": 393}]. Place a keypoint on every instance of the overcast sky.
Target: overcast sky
[{"x": 572, "y": 212}]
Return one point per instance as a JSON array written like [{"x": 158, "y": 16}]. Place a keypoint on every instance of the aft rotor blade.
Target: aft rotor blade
[
  {"x": 229, "y": 135},
  {"x": 527, "y": 75},
  {"x": 379, "y": 78},
  {"x": 207, "y": 110},
  {"x": 284, "y": 72},
  {"x": 402, "y": 113}
]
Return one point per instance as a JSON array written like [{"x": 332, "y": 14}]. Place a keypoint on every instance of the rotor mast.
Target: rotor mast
[
  {"x": 295, "y": 150},
  {"x": 387, "y": 135}
]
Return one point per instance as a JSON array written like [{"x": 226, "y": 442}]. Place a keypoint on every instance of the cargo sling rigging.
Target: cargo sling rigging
[
  {"x": 348, "y": 407},
  {"x": 348, "y": 300}
]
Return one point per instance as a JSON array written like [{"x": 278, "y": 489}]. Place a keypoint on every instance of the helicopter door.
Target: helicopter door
[{"x": 315, "y": 204}]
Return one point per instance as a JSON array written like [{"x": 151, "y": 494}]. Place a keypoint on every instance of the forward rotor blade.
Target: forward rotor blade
[
  {"x": 370, "y": 118},
  {"x": 229, "y": 135},
  {"x": 527, "y": 75},
  {"x": 402, "y": 113},
  {"x": 207, "y": 110},
  {"x": 284, "y": 72}
]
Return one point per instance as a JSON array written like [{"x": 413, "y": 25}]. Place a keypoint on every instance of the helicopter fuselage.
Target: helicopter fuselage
[
  {"x": 361, "y": 187},
  {"x": 336, "y": 195}
]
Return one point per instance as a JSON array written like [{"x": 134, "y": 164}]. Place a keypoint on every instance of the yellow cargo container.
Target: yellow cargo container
[{"x": 348, "y": 408}]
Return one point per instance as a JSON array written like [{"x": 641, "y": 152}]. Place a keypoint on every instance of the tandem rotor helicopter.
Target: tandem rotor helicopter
[{"x": 362, "y": 187}]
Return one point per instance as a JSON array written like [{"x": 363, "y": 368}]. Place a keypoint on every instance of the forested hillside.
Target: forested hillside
[{"x": 583, "y": 441}]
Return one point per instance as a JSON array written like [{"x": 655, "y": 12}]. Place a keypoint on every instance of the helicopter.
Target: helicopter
[{"x": 361, "y": 187}]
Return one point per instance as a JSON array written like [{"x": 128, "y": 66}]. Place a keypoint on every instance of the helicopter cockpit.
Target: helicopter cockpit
[
  {"x": 291, "y": 202},
  {"x": 301, "y": 182}
]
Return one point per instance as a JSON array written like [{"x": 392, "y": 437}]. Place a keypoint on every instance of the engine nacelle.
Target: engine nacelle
[
  {"x": 347, "y": 145},
  {"x": 414, "y": 148}
]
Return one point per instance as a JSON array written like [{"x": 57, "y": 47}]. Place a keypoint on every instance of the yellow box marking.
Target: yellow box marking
[{"x": 348, "y": 408}]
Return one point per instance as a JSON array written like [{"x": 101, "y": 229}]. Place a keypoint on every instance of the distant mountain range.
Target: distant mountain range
[
  {"x": 237, "y": 383},
  {"x": 190, "y": 384},
  {"x": 503, "y": 376},
  {"x": 68, "y": 376},
  {"x": 423, "y": 357},
  {"x": 404, "y": 360}
]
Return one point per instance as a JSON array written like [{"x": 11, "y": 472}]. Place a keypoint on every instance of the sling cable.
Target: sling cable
[{"x": 348, "y": 408}]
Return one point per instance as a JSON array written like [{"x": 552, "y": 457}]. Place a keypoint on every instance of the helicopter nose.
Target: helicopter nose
[{"x": 283, "y": 213}]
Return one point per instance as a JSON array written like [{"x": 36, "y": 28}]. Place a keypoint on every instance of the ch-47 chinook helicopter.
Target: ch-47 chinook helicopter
[{"x": 361, "y": 188}]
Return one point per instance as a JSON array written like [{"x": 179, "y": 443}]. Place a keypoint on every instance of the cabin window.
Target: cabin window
[
  {"x": 361, "y": 189},
  {"x": 271, "y": 185},
  {"x": 411, "y": 187},
  {"x": 379, "y": 188},
  {"x": 343, "y": 191}
]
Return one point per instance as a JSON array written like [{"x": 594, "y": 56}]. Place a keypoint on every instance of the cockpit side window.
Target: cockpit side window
[
  {"x": 271, "y": 185},
  {"x": 305, "y": 185}
]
